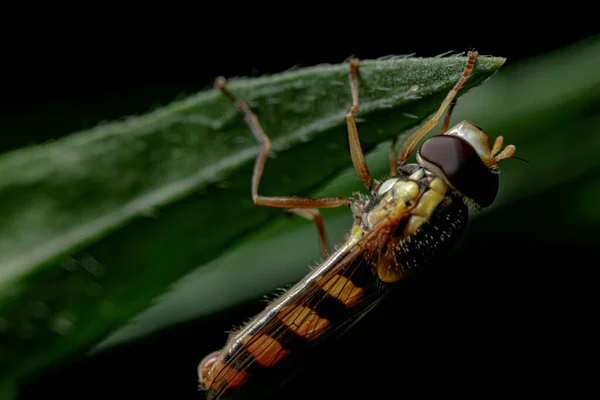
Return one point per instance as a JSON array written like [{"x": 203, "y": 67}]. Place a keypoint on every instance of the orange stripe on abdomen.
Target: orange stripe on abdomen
[
  {"x": 221, "y": 377},
  {"x": 341, "y": 288},
  {"x": 265, "y": 350},
  {"x": 304, "y": 321}
]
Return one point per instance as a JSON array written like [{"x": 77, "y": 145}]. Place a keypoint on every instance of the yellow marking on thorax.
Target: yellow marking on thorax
[
  {"x": 439, "y": 186},
  {"x": 304, "y": 321},
  {"x": 394, "y": 202},
  {"x": 426, "y": 205},
  {"x": 265, "y": 350},
  {"x": 387, "y": 270},
  {"x": 341, "y": 288}
]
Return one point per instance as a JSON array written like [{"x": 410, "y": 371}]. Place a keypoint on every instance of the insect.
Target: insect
[{"x": 408, "y": 220}]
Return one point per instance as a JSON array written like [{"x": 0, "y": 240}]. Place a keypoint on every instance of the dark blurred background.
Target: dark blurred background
[
  {"x": 55, "y": 84},
  {"x": 73, "y": 77}
]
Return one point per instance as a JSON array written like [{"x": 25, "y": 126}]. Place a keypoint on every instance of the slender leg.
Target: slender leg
[
  {"x": 259, "y": 165},
  {"x": 393, "y": 167},
  {"x": 448, "y": 116},
  {"x": 358, "y": 159},
  {"x": 413, "y": 140},
  {"x": 314, "y": 215}
]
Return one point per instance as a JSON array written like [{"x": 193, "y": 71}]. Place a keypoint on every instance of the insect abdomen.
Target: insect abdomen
[{"x": 305, "y": 314}]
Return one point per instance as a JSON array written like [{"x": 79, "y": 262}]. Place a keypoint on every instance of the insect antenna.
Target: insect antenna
[{"x": 521, "y": 159}]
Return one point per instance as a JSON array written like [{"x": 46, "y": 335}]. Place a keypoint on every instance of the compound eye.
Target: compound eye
[{"x": 461, "y": 165}]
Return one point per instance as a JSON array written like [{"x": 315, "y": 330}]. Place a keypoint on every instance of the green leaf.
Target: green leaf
[
  {"x": 544, "y": 107},
  {"x": 96, "y": 225}
]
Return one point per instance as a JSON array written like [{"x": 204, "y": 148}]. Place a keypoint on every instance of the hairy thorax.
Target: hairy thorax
[{"x": 416, "y": 214}]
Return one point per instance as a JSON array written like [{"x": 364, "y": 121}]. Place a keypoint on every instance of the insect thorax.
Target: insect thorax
[{"x": 418, "y": 218}]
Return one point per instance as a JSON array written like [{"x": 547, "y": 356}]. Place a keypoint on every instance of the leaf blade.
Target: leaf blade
[
  {"x": 81, "y": 251},
  {"x": 542, "y": 120}
]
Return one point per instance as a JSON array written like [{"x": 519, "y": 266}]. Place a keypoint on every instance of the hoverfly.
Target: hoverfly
[{"x": 407, "y": 221}]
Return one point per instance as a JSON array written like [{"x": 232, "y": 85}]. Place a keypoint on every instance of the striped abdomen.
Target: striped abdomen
[
  {"x": 314, "y": 308},
  {"x": 344, "y": 287}
]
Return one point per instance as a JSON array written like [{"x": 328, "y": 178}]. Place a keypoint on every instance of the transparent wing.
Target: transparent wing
[{"x": 346, "y": 278}]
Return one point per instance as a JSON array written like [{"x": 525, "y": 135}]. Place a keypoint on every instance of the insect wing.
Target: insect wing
[{"x": 327, "y": 302}]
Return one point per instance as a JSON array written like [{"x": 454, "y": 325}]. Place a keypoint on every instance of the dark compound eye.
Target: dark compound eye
[{"x": 462, "y": 166}]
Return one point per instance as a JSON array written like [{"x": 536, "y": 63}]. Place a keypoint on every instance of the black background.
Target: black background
[
  {"x": 72, "y": 75},
  {"x": 66, "y": 78}
]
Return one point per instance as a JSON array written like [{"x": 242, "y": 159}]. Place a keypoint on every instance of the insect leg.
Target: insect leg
[
  {"x": 410, "y": 143},
  {"x": 314, "y": 215},
  {"x": 358, "y": 158},
  {"x": 448, "y": 116},
  {"x": 259, "y": 165},
  {"x": 305, "y": 207}
]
